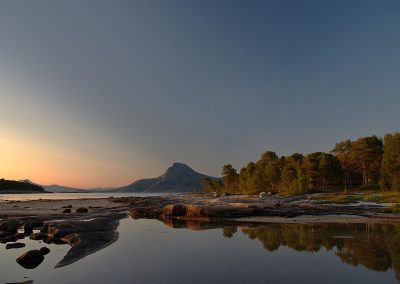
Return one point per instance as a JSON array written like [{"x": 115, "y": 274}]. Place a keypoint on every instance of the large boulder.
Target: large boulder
[
  {"x": 174, "y": 210},
  {"x": 30, "y": 259}
]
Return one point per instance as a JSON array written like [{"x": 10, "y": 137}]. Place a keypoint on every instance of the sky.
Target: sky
[{"x": 102, "y": 93}]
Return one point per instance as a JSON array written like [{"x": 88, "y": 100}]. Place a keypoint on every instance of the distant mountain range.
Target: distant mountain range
[
  {"x": 177, "y": 178},
  {"x": 64, "y": 189}
]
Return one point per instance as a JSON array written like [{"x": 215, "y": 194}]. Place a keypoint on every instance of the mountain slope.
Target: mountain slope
[
  {"x": 25, "y": 186},
  {"x": 177, "y": 178}
]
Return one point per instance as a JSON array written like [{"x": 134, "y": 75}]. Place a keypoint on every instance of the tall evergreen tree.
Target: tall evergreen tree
[
  {"x": 390, "y": 169},
  {"x": 342, "y": 151},
  {"x": 230, "y": 178},
  {"x": 367, "y": 153},
  {"x": 270, "y": 170}
]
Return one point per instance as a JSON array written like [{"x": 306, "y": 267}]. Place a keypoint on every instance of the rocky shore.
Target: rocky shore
[{"x": 88, "y": 225}]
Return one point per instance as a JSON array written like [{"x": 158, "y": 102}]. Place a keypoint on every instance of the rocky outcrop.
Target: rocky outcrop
[
  {"x": 84, "y": 237},
  {"x": 204, "y": 207}
]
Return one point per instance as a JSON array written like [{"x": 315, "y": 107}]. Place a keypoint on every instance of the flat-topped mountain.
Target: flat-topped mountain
[{"x": 177, "y": 178}]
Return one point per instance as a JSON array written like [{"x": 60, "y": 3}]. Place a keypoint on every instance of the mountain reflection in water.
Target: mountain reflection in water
[{"x": 374, "y": 246}]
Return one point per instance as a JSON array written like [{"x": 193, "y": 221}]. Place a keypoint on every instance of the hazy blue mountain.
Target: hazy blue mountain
[
  {"x": 63, "y": 189},
  {"x": 177, "y": 178}
]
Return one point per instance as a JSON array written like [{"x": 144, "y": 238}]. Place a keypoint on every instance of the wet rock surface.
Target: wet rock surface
[
  {"x": 234, "y": 206},
  {"x": 30, "y": 259},
  {"x": 44, "y": 250},
  {"x": 81, "y": 210},
  {"x": 97, "y": 228},
  {"x": 10, "y": 226},
  {"x": 8, "y": 237},
  {"x": 15, "y": 245}
]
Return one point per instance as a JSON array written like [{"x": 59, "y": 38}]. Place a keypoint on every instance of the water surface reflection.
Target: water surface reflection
[
  {"x": 173, "y": 251},
  {"x": 374, "y": 246}
]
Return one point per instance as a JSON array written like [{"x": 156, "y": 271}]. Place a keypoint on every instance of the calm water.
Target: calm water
[
  {"x": 149, "y": 251},
  {"x": 37, "y": 196}
]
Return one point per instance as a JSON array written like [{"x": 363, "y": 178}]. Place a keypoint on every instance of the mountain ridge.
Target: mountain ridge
[{"x": 179, "y": 177}]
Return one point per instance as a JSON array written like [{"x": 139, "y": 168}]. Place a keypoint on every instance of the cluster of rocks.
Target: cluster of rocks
[
  {"x": 206, "y": 207},
  {"x": 83, "y": 236},
  {"x": 9, "y": 231},
  {"x": 9, "y": 234},
  {"x": 68, "y": 209}
]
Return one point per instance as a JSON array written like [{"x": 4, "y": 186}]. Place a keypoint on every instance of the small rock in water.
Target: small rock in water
[
  {"x": 263, "y": 194},
  {"x": 30, "y": 259},
  {"x": 68, "y": 206},
  {"x": 67, "y": 210},
  {"x": 82, "y": 210},
  {"x": 15, "y": 245},
  {"x": 44, "y": 250}
]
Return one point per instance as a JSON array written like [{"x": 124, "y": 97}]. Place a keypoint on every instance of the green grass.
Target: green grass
[
  {"x": 392, "y": 209},
  {"x": 337, "y": 199},
  {"x": 356, "y": 195}
]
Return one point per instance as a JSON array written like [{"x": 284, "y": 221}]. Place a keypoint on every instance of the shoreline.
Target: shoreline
[
  {"x": 90, "y": 224},
  {"x": 196, "y": 206},
  {"x": 11, "y": 191}
]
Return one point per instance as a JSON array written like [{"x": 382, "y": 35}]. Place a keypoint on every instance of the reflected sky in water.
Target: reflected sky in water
[
  {"x": 149, "y": 251},
  {"x": 62, "y": 196}
]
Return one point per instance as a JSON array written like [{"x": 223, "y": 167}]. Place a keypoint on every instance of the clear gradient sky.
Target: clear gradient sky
[{"x": 100, "y": 93}]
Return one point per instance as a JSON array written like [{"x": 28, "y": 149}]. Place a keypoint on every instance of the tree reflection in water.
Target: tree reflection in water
[{"x": 374, "y": 246}]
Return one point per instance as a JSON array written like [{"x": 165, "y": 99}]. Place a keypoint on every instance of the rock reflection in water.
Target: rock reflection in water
[{"x": 374, "y": 246}]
